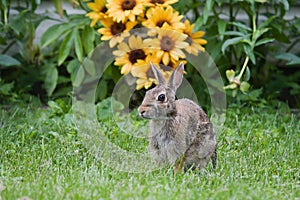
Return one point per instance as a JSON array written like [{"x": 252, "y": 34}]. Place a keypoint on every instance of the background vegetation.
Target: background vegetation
[{"x": 253, "y": 40}]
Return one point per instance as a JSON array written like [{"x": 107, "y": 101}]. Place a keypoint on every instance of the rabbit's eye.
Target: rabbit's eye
[{"x": 161, "y": 97}]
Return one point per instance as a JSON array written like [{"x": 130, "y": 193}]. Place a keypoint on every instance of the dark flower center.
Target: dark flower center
[
  {"x": 189, "y": 40},
  {"x": 128, "y": 4},
  {"x": 104, "y": 9},
  {"x": 157, "y": 1},
  {"x": 166, "y": 43},
  {"x": 117, "y": 28},
  {"x": 160, "y": 23},
  {"x": 135, "y": 55}
]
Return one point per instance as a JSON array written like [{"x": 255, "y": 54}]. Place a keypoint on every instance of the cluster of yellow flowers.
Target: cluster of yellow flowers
[{"x": 169, "y": 38}]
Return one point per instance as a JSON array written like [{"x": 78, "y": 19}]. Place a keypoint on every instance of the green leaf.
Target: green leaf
[
  {"x": 242, "y": 26},
  {"x": 102, "y": 90},
  {"x": 231, "y": 41},
  {"x": 249, "y": 51},
  {"x": 72, "y": 68},
  {"x": 264, "y": 41},
  {"x": 79, "y": 77},
  {"x": 3, "y": 40},
  {"x": 89, "y": 66},
  {"x": 5, "y": 88},
  {"x": 247, "y": 74},
  {"x": 198, "y": 23},
  {"x": 267, "y": 22},
  {"x": 8, "y": 61},
  {"x": 88, "y": 38},
  {"x": 54, "y": 33},
  {"x": 234, "y": 33},
  {"x": 221, "y": 28},
  {"x": 244, "y": 87},
  {"x": 285, "y": 4},
  {"x": 291, "y": 58},
  {"x": 259, "y": 32},
  {"x": 51, "y": 80},
  {"x": 207, "y": 9},
  {"x": 65, "y": 47},
  {"x": 78, "y": 46},
  {"x": 297, "y": 24}
]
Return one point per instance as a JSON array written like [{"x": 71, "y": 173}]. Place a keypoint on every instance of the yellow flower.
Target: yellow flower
[
  {"x": 174, "y": 63},
  {"x": 159, "y": 17},
  {"x": 195, "y": 41},
  {"x": 129, "y": 55},
  {"x": 164, "y": 3},
  {"x": 143, "y": 72},
  {"x": 121, "y": 10},
  {"x": 144, "y": 75},
  {"x": 168, "y": 46},
  {"x": 98, "y": 11},
  {"x": 115, "y": 31}
]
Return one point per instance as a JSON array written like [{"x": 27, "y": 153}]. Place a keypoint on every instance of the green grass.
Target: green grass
[{"x": 42, "y": 157}]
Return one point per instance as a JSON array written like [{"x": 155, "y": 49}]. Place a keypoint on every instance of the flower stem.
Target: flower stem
[
  {"x": 243, "y": 69},
  {"x": 5, "y": 16}
]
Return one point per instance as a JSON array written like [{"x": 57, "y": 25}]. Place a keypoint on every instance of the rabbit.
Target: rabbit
[{"x": 181, "y": 134}]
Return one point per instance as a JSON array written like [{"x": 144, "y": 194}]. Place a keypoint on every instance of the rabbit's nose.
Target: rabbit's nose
[{"x": 141, "y": 111}]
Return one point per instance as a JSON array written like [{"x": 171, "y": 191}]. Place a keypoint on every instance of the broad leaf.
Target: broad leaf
[
  {"x": 72, "y": 68},
  {"x": 89, "y": 66},
  {"x": 79, "y": 76},
  {"x": 8, "y": 61},
  {"x": 65, "y": 47},
  {"x": 244, "y": 87},
  {"x": 88, "y": 38},
  {"x": 54, "y": 33},
  {"x": 50, "y": 81},
  {"x": 78, "y": 46}
]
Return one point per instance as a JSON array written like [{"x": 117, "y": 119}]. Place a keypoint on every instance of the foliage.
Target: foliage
[
  {"x": 257, "y": 54},
  {"x": 248, "y": 41},
  {"x": 42, "y": 157}
]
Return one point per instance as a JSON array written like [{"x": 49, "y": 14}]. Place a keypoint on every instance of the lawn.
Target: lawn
[{"x": 42, "y": 157}]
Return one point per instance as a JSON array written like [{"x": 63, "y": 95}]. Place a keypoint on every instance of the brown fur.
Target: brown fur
[{"x": 181, "y": 134}]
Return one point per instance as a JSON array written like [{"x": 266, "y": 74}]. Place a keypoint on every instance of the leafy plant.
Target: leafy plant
[
  {"x": 244, "y": 37},
  {"x": 257, "y": 54},
  {"x": 22, "y": 61}
]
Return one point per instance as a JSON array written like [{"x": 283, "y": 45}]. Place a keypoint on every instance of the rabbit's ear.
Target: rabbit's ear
[
  {"x": 175, "y": 79},
  {"x": 158, "y": 75}
]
